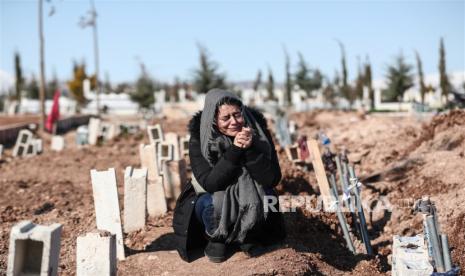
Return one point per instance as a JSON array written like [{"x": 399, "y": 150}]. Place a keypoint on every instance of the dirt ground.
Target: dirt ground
[{"x": 427, "y": 155}]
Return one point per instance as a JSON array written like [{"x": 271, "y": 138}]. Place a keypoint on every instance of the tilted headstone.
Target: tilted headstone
[
  {"x": 410, "y": 256},
  {"x": 96, "y": 254},
  {"x": 155, "y": 133},
  {"x": 164, "y": 153},
  {"x": 318, "y": 167},
  {"x": 184, "y": 145},
  {"x": 292, "y": 153},
  {"x": 112, "y": 131},
  {"x": 94, "y": 130},
  {"x": 156, "y": 202},
  {"x": 106, "y": 203},
  {"x": 58, "y": 143},
  {"x": 173, "y": 138},
  {"x": 23, "y": 142},
  {"x": 174, "y": 176},
  {"x": 34, "y": 249},
  {"x": 135, "y": 199}
]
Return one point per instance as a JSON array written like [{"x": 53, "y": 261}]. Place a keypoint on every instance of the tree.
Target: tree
[
  {"x": 288, "y": 83},
  {"x": 18, "y": 76},
  {"x": 443, "y": 79},
  {"x": 258, "y": 81},
  {"x": 346, "y": 91},
  {"x": 359, "y": 82},
  {"x": 76, "y": 85},
  {"x": 368, "y": 84},
  {"x": 107, "y": 88},
  {"x": 145, "y": 87},
  {"x": 206, "y": 77},
  {"x": 399, "y": 77},
  {"x": 329, "y": 92},
  {"x": 421, "y": 80},
  {"x": 52, "y": 86},
  {"x": 306, "y": 78},
  {"x": 32, "y": 89},
  {"x": 270, "y": 85}
]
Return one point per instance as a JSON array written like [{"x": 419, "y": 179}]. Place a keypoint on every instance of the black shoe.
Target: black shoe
[
  {"x": 252, "y": 249},
  {"x": 215, "y": 251}
]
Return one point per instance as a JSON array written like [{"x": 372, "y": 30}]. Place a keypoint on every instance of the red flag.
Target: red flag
[{"x": 54, "y": 112}]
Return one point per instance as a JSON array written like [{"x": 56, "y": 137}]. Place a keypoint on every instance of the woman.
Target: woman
[{"x": 234, "y": 169}]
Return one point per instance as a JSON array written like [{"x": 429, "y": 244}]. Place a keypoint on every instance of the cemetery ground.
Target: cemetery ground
[{"x": 399, "y": 158}]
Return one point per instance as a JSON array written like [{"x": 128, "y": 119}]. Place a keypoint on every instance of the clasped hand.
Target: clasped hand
[{"x": 244, "y": 138}]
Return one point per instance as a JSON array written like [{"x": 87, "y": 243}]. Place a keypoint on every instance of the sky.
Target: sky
[{"x": 241, "y": 36}]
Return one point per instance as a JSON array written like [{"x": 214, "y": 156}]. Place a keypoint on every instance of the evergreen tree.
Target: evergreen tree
[
  {"x": 270, "y": 85},
  {"x": 288, "y": 83},
  {"x": 32, "y": 89},
  {"x": 400, "y": 79},
  {"x": 206, "y": 77},
  {"x": 307, "y": 79},
  {"x": 258, "y": 81},
  {"x": 346, "y": 90},
  {"x": 359, "y": 82},
  {"x": 443, "y": 79},
  {"x": 107, "y": 88},
  {"x": 330, "y": 93},
  {"x": 369, "y": 85},
  {"x": 420, "y": 78},
  {"x": 18, "y": 76},
  {"x": 144, "y": 90}
]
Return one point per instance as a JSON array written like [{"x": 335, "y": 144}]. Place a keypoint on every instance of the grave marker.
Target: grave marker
[
  {"x": 96, "y": 254},
  {"x": 164, "y": 153},
  {"x": 155, "y": 133},
  {"x": 135, "y": 199},
  {"x": 320, "y": 173},
  {"x": 94, "y": 130},
  {"x": 156, "y": 202},
  {"x": 106, "y": 203},
  {"x": 22, "y": 143},
  {"x": 58, "y": 143},
  {"x": 174, "y": 177},
  {"x": 1, "y": 151},
  {"x": 184, "y": 145},
  {"x": 173, "y": 139},
  {"x": 410, "y": 256},
  {"x": 34, "y": 249}
]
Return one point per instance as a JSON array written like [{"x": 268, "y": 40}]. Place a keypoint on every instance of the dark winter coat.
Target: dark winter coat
[{"x": 188, "y": 230}]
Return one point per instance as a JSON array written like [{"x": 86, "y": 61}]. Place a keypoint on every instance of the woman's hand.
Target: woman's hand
[{"x": 244, "y": 138}]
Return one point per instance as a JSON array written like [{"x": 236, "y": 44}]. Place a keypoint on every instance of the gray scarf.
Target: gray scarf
[{"x": 239, "y": 208}]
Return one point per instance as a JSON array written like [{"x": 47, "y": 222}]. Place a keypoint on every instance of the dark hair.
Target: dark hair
[{"x": 228, "y": 101}]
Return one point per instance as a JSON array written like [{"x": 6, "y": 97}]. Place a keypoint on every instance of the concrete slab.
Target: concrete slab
[
  {"x": 410, "y": 256},
  {"x": 58, "y": 143},
  {"x": 173, "y": 138},
  {"x": 1, "y": 151},
  {"x": 155, "y": 133},
  {"x": 184, "y": 147},
  {"x": 135, "y": 199},
  {"x": 156, "y": 202},
  {"x": 174, "y": 177},
  {"x": 106, "y": 203},
  {"x": 96, "y": 254},
  {"x": 34, "y": 249},
  {"x": 38, "y": 144},
  {"x": 165, "y": 152},
  {"x": 94, "y": 130},
  {"x": 23, "y": 141}
]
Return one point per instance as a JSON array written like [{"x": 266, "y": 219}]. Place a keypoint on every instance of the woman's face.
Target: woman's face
[{"x": 229, "y": 119}]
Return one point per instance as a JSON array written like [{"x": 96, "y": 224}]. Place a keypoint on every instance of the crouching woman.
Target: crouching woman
[{"x": 234, "y": 169}]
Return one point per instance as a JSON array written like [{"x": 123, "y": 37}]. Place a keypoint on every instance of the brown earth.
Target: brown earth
[{"x": 428, "y": 156}]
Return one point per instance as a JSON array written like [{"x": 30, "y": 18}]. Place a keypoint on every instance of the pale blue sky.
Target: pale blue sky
[{"x": 241, "y": 36}]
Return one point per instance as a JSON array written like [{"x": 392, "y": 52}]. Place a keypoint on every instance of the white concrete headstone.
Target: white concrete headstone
[
  {"x": 96, "y": 254},
  {"x": 106, "y": 203},
  {"x": 58, "y": 143},
  {"x": 135, "y": 199},
  {"x": 34, "y": 249}
]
